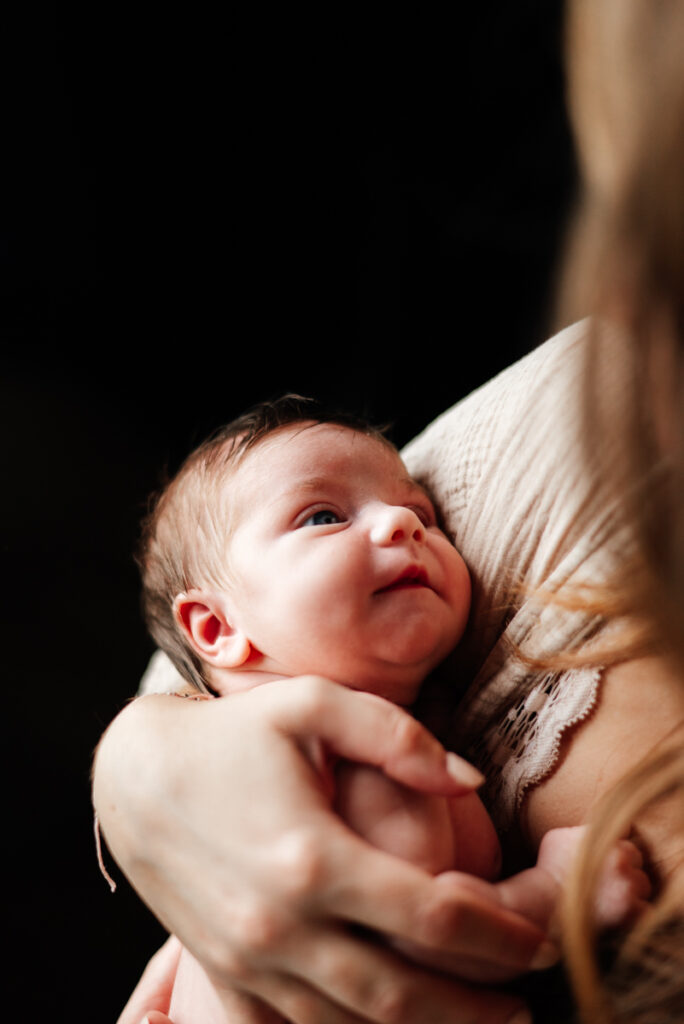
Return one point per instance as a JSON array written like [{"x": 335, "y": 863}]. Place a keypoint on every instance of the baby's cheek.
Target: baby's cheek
[
  {"x": 413, "y": 826},
  {"x": 462, "y": 590}
]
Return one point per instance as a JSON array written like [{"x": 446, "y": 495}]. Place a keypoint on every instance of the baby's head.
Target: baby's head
[{"x": 295, "y": 542}]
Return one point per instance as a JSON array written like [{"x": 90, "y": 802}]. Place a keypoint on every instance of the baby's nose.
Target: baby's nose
[{"x": 393, "y": 524}]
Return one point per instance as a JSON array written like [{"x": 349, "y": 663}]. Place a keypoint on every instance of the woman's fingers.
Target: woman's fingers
[
  {"x": 373, "y": 984},
  {"x": 383, "y": 893},
  {"x": 394, "y": 898},
  {"x": 365, "y": 728},
  {"x": 306, "y": 877},
  {"x": 298, "y": 1003},
  {"x": 363, "y": 983},
  {"x": 224, "y": 824}
]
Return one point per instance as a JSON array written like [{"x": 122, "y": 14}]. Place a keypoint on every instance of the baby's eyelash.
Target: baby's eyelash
[
  {"x": 326, "y": 516},
  {"x": 320, "y": 514},
  {"x": 425, "y": 515}
]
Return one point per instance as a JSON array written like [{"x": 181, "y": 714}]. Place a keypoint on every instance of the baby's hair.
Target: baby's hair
[{"x": 183, "y": 537}]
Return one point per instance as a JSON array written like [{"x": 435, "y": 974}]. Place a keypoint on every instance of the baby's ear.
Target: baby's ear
[{"x": 205, "y": 622}]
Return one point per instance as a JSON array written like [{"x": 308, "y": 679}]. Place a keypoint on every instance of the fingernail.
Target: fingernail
[
  {"x": 521, "y": 1017},
  {"x": 547, "y": 955},
  {"x": 461, "y": 771}
]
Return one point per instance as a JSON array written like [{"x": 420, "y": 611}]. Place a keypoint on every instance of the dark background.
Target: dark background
[{"x": 204, "y": 212}]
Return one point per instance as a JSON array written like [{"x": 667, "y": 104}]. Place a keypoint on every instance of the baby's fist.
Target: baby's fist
[{"x": 623, "y": 887}]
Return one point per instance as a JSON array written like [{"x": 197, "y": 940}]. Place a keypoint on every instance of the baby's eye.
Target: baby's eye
[{"x": 322, "y": 517}]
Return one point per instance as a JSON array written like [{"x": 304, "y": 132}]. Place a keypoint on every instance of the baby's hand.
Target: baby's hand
[{"x": 623, "y": 886}]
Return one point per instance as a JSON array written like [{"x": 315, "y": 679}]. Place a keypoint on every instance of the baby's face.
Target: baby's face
[{"x": 337, "y": 565}]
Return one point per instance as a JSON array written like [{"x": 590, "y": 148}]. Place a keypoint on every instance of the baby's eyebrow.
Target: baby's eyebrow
[
  {"x": 303, "y": 488},
  {"x": 309, "y": 483},
  {"x": 415, "y": 486},
  {"x": 315, "y": 484}
]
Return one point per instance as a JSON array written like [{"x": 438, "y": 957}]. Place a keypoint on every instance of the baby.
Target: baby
[{"x": 293, "y": 543}]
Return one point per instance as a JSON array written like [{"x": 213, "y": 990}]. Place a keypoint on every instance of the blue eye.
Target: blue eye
[{"x": 323, "y": 517}]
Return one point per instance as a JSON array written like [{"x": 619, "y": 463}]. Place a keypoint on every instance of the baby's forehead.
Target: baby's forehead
[{"x": 306, "y": 454}]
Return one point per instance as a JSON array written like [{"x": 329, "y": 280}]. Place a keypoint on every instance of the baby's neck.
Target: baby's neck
[{"x": 232, "y": 680}]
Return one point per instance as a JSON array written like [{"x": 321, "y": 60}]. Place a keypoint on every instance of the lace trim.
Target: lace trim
[{"x": 521, "y": 748}]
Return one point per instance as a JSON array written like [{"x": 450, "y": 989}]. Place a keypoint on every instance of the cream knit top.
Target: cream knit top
[{"x": 526, "y": 505}]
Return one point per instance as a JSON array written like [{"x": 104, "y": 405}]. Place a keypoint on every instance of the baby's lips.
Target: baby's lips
[
  {"x": 463, "y": 772},
  {"x": 414, "y": 575}
]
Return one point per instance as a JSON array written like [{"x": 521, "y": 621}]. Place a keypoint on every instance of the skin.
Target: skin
[
  {"x": 334, "y": 565},
  {"x": 375, "y": 541},
  {"x": 366, "y": 524},
  {"x": 595, "y": 756},
  {"x": 330, "y": 541},
  {"x": 270, "y": 924},
  {"x": 152, "y": 994},
  {"x": 334, "y": 560}
]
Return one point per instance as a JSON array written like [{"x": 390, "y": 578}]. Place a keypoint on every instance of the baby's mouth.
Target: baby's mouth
[{"x": 410, "y": 578}]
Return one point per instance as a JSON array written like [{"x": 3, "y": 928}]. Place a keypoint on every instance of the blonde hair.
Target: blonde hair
[
  {"x": 644, "y": 980},
  {"x": 625, "y": 264}
]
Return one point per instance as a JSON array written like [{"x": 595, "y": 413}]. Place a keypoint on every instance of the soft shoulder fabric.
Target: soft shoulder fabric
[
  {"x": 160, "y": 676},
  {"x": 526, "y": 505}
]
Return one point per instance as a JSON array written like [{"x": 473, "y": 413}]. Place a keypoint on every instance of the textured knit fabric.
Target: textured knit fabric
[{"x": 526, "y": 506}]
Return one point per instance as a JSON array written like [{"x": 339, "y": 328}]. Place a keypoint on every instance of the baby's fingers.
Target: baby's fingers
[
  {"x": 624, "y": 886},
  {"x": 447, "y": 914}
]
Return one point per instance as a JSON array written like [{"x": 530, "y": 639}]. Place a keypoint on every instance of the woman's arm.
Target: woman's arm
[{"x": 216, "y": 815}]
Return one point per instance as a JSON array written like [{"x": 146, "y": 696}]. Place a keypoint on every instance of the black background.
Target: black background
[{"x": 204, "y": 211}]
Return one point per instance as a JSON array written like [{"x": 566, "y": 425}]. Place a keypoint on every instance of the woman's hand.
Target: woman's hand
[{"x": 220, "y": 820}]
